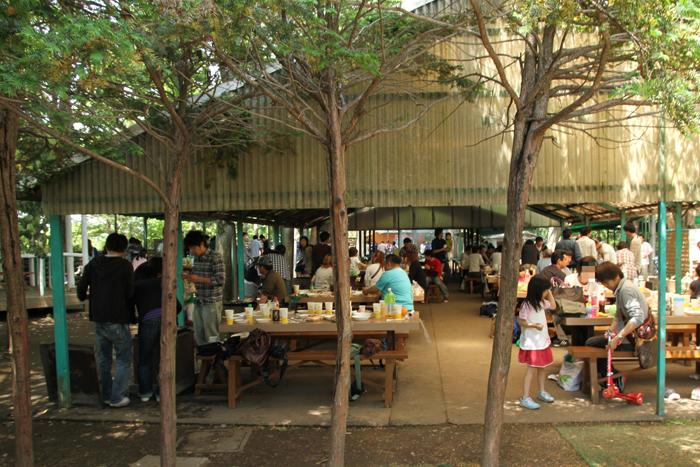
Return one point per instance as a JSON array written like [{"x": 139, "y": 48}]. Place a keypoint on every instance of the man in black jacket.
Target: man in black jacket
[{"x": 111, "y": 282}]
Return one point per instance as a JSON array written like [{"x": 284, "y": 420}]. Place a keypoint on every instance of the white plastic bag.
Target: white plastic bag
[{"x": 571, "y": 376}]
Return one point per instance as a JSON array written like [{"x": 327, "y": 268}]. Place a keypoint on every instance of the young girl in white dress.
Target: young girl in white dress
[{"x": 535, "y": 350}]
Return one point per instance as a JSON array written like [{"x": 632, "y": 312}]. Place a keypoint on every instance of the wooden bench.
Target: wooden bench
[
  {"x": 235, "y": 385},
  {"x": 320, "y": 337},
  {"x": 471, "y": 281},
  {"x": 591, "y": 355},
  {"x": 434, "y": 293}
]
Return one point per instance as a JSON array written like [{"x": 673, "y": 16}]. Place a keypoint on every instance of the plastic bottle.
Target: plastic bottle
[
  {"x": 249, "y": 313},
  {"x": 311, "y": 287},
  {"x": 592, "y": 296},
  {"x": 390, "y": 300},
  {"x": 275, "y": 310}
]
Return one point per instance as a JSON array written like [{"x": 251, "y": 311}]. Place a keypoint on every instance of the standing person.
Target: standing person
[
  {"x": 646, "y": 251},
  {"x": 306, "y": 251},
  {"x": 440, "y": 251},
  {"x": 568, "y": 244},
  {"x": 433, "y": 271},
  {"x": 605, "y": 251},
  {"x": 375, "y": 270},
  {"x": 139, "y": 259},
  {"x": 382, "y": 247},
  {"x": 586, "y": 243},
  {"x": 695, "y": 285},
  {"x": 422, "y": 247},
  {"x": 246, "y": 252},
  {"x": 320, "y": 251},
  {"x": 529, "y": 254},
  {"x": 273, "y": 284},
  {"x": 396, "y": 279},
  {"x": 265, "y": 244},
  {"x": 323, "y": 279},
  {"x": 535, "y": 348},
  {"x": 148, "y": 301},
  {"x": 560, "y": 260},
  {"x": 632, "y": 311},
  {"x": 110, "y": 279},
  {"x": 416, "y": 271},
  {"x": 255, "y": 247},
  {"x": 135, "y": 246},
  {"x": 208, "y": 275},
  {"x": 281, "y": 266},
  {"x": 635, "y": 245},
  {"x": 92, "y": 251},
  {"x": 449, "y": 245},
  {"x": 626, "y": 260}
]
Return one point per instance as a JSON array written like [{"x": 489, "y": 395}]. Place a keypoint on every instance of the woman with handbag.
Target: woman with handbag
[{"x": 632, "y": 315}]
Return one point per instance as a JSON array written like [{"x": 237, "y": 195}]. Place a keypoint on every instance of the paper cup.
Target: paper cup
[
  {"x": 362, "y": 308},
  {"x": 296, "y": 290},
  {"x": 695, "y": 303},
  {"x": 284, "y": 315},
  {"x": 377, "y": 310},
  {"x": 397, "y": 311},
  {"x": 329, "y": 307},
  {"x": 229, "y": 320},
  {"x": 265, "y": 308},
  {"x": 213, "y": 338},
  {"x": 229, "y": 314}
]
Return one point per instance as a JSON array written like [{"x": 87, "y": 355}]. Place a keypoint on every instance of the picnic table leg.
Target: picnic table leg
[
  {"x": 697, "y": 338},
  {"x": 595, "y": 388},
  {"x": 234, "y": 380},
  {"x": 203, "y": 370},
  {"x": 390, "y": 340},
  {"x": 389, "y": 382}
]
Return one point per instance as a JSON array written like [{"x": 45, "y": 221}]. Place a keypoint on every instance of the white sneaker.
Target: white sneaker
[
  {"x": 444, "y": 301},
  {"x": 145, "y": 399},
  {"x": 122, "y": 403}
]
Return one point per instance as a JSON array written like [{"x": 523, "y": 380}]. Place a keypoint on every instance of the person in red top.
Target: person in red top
[{"x": 433, "y": 271}]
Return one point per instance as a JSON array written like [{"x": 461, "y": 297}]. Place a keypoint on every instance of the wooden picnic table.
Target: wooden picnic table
[
  {"x": 315, "y": 330},
  {"x": 329, "y": 297}
]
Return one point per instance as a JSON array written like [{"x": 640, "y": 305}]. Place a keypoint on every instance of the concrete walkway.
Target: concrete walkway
[{"x": 444, "y": 381}]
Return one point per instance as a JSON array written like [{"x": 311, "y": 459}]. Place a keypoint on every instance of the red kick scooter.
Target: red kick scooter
[{"x": 612, "y": 390}]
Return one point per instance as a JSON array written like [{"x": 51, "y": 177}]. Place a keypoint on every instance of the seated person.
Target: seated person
[
  {"x": 560, "y": 260},
  {"x": 433, "y": 271},
  {"x": 355, "y": 263},
  {"x": 632, "y": 311},
  {"x": 323, "y": 279},
  {"x": 273, "y": 284},
  {"x": 582, "y": 278},
  {"x": 416, "y": 271},
  {"x": 476, "y": 263},
  {"x": 396, "y": 279}
]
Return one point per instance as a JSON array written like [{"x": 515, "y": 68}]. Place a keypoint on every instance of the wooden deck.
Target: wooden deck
[{"x": 34, "y": 300}]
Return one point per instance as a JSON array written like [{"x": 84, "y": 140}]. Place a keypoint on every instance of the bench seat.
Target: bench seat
[
  {"x": 590, "y": 355},
  {"x": 236, "y": 387}
]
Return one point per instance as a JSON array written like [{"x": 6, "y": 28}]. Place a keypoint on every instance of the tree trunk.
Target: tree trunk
[
  {"x": 341, "y": 275},
  {"x": 224, "y": 236},
  {"x": 16, "y": 301},
  {"x": 290, "y": 255},
  {"x": 526, "y": 146},
  {"x": 168, "y": 333}
]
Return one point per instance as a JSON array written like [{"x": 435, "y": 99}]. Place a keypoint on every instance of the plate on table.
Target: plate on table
[
  {"x": 692, "y": 312},
  {"x": 262, "y": 320},
  {"x": 356, "y": 317},
  {"x": 329, "y": 317},
  {"x": 313, "y": 294},
  {"x": 302, "y": 315}
]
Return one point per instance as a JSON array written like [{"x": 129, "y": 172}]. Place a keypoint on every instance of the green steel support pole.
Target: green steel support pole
[
  {"x": 145, "y": 232},
  {"x": 661, "y": 370},
  {"x": 240, "y": 250},
  {"x": 180, "y": 284},
  {"x": 679, "y": 248},
  {"x": 204, "y": 228},
  {"x": 234, "y": 264},
  {"x": 276, "y": 233},
  {"x": 116, "y": 228},
  {"x": 623, "y": 221},
  {"x": 59, "y": 314}
]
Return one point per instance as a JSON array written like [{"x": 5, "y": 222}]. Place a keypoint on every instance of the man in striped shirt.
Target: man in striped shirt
[
  {"x": 208, "y": 275},
  {"x": 626, "y": 260}
]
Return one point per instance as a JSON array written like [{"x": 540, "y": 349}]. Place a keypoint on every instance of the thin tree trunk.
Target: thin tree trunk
[
  {"x": 224, "y": 236},
  {"x": 341, "y": 275},
  {"x": 168, "y": 336},
  {"x": 16, "y": 301}
]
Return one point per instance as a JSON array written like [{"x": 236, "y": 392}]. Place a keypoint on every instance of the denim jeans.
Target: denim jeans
[
  {"x": 117, "y": 336},
  {"x": 206, "y": 318},
  {"x": 441, "y": 285},
  {"x": 149, "y": 337},
  {"x": 446, "y": 272},
  {"x": 601, "y": 342}
]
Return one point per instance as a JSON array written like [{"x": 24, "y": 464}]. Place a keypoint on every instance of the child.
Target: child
[
  {"x": 355, "y": 263},
  {"x": 535, "y": 349}
]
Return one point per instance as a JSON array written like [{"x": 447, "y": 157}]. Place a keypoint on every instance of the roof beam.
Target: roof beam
[
  {"x": 570, "y": 211},
  {"x": 609, "y": 208},
  {"x": 545, "y": 214}
]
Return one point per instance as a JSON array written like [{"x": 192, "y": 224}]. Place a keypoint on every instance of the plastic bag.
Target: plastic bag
[{"x": 571, "y": 376}]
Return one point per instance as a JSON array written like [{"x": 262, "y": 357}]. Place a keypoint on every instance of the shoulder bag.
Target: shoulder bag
[{"x": 256, "y": 347}]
